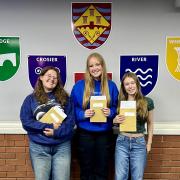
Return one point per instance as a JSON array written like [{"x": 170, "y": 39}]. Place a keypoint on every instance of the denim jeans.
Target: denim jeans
[
  {"x": 51, "y": 162},
  {"x": 130, "y": 153},
  {"x": 94, "y": 154}
]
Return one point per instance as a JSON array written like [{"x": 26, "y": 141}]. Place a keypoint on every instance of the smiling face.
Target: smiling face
[
  {"x": 130, "y": 86},
  {"x": 49, "y": 80},
  {"x": 95, "y": 68}
]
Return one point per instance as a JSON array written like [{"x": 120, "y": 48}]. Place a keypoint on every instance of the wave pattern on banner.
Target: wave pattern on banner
[{"x": 143, "y": 80}]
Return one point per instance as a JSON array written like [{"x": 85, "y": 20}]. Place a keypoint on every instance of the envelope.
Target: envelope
[
  {"x": 54, "y": 115},
  {"x": 128, "y": 109},
  {"x": 97, "y": 103}
]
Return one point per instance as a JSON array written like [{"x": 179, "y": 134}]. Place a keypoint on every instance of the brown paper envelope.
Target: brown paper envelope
[
  {"x": 129, "y": 125},
  {"x": 53, "y": 115},
  {"x": 97, "y": 106}
]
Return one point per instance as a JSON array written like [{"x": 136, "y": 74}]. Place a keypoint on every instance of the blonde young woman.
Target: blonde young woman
[
  {"x": 94, "y": 139},
  {"x": 131, "y": 147}
]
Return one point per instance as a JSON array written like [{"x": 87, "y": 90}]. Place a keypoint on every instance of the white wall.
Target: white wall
[{"x": 139, "y": 27}]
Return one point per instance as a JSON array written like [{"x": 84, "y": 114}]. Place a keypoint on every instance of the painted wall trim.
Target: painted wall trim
[{"x": 160, "y": 128}]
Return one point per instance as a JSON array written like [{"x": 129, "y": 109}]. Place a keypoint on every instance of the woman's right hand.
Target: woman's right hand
[
  {"x": 119, "y": 119},
  {"x": 89, "y": 113},
  {"x": 48, "y": 132}
]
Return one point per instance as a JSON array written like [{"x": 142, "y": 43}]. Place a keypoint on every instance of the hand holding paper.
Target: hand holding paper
[
  {"x": 56, "y": 125},
  {"x": 89, "y": 113},
  {"x": 119, "y": 119},
  {"x": 106, "y": 111}
]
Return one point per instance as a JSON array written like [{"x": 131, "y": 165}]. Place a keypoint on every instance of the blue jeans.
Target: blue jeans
[
  {"x": 130, "y": 153},
  {"x": 51, "y": 161}
]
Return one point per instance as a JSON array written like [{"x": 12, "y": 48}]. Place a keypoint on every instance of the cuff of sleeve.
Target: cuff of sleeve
[
  {"x": 111, "y": 114},
  {"x": 50, "y": 126},
  {"x": 81, "y": 115},
  {"x": 55, "y": 133},
  {"x": 116, "y": 125}
]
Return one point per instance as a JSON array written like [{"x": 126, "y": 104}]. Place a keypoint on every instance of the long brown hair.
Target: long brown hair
[
  {"x": 60, "y": 94},
  {"x": 89, "y": 81},
  {"x": 141, "y": 102}
]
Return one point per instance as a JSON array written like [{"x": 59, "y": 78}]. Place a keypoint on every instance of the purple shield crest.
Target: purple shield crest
[
  {"x": 37, "y": 63},
  {"x": 145, "y": 67}
]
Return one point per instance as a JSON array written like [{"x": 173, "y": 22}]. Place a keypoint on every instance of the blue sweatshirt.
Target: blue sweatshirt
[
  {"x": 77, "y": 96},
  {"x": 32, "y": 111}
]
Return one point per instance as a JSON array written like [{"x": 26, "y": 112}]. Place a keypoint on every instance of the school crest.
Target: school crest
[
  {"x": 9, "y": 57},
  {"x": 91, "y": 23},
  {"x": 37, "y": 63},
  {"x": 173, "y": 56},
  {"x": 145, "y": 67}
]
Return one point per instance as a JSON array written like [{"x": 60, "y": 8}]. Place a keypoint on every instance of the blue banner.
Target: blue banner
[{"x": 145, "y": 67}]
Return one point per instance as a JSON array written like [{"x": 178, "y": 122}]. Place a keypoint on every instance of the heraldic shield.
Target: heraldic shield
[
  {"x": 91, "y": 23},
  {"x": 37, "y": 63},
  {"x": 9, "y": 57},
  {"x": 145, "y": 67},
  {"x": 173, "y": 56}
]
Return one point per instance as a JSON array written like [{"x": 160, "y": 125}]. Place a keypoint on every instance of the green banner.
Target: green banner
[{"x": 9, "y": 57}]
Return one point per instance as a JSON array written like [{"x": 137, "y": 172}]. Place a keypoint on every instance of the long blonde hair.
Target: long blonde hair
[
  {"x": 89, "y": 81},
  {"x": 141, "y": 102}
]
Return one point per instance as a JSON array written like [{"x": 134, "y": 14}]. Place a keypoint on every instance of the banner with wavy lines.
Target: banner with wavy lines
[
  {"x": 91, "y": 23},
  {"x": 145, "y": 67}
]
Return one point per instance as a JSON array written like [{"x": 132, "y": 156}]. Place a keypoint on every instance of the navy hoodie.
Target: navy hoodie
[{"x": 32, "y": 111}]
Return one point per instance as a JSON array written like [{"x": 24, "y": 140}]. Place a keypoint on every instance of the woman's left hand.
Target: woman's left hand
[
  {"x": 56, "y": 125},
  {"x": 106, "y": 111},
  {"x": 148, "y": 147},
  {"x": 48, "y": 132}
]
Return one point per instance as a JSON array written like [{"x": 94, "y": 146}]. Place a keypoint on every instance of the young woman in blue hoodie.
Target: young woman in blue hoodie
[
  {"x": 49, "y": 144},
  {"x": 94, "y": 138}
]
